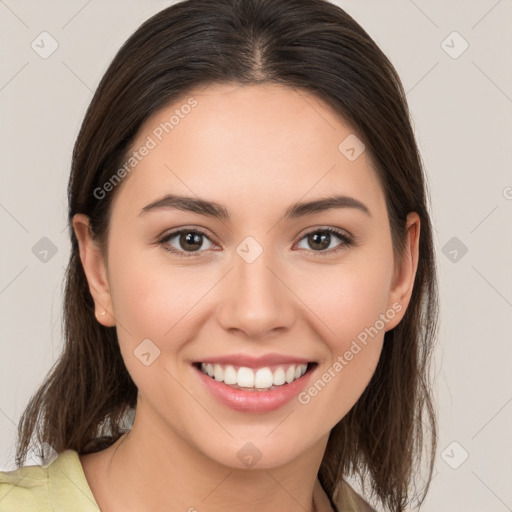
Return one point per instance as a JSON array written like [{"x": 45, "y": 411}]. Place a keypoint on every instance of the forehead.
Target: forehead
[{"x": 257, "y": 144}]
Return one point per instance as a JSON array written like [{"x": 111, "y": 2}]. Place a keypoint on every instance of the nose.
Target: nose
[{"x": 257, "y": 302}]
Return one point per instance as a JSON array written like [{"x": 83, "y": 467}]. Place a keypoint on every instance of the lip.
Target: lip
[
  {"x": 254, "y": 362},
  {"x": 254, "y": 401}
]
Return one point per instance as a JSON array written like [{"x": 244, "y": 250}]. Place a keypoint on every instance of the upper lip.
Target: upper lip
[{"x": 254, "y": 362}]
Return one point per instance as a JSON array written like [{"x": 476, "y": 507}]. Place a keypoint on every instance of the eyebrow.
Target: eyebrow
[{"x": 216, "y": 210}]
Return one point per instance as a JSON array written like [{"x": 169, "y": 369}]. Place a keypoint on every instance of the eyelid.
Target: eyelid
[
  {"x": 190, "y": 229},
  {"x": 337, "y": 231}
]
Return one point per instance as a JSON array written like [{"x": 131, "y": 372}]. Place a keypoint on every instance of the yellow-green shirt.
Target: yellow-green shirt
[{"x": 62, "y": 487}]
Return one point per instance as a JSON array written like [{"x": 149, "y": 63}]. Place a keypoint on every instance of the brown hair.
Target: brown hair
[{"x": 310, "y": 45}]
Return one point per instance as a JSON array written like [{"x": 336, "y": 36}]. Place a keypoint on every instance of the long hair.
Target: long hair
[{"x": 312, "y": 46}]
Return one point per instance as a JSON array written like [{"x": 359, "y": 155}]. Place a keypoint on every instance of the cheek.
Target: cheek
[
  {"x": 151, "y": 301},
  {"x": 354, "y": 340},
  {"x": 349, "y": 298},
  {"x": 349, "y": 303},
  {"x": 154, "y": 308}
]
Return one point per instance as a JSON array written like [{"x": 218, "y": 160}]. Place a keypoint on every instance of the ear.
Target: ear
[
  {"x": 405, "y": 271},
  {"x": 95, "y": 270}
]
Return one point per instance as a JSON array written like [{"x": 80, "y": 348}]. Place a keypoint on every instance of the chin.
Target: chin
[{"x": 257, "y": 453}]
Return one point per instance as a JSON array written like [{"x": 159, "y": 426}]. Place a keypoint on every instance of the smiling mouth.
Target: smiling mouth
[{"x": 255, "y": 379}]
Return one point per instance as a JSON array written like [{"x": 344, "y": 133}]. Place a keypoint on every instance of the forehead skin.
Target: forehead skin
[{"x": 255, "y": 149}]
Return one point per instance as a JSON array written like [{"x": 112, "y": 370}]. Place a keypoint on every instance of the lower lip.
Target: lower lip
[{"x": 255, "y": 401}]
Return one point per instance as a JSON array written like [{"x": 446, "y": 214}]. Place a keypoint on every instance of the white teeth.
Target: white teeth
[
  {"x": 245, "y": 377},
  {"x": 230, "y": 375},
  {"x": 290, "y": 374},
  {"x": 279, "y": 377},
  {"x": 218, "y": 373},
  {"x": 263, "y": 378}
]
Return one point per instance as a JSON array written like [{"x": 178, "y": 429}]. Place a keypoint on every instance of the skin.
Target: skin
[{"x": 256, "y": 150}]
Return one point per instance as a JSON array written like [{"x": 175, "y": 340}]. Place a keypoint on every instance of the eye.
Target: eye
[
  {"x": 320, "y": 239},
  {"x": 188, "y": 240}
]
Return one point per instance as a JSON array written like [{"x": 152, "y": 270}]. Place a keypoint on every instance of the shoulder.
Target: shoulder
[
  {"x": 348, "y": 500},
  {"x": 25, "y": 488},
  {"x": 60, "y": 486}
]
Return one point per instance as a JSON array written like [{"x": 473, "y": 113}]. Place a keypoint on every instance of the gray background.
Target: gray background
[{"x": 461, "y": 106}]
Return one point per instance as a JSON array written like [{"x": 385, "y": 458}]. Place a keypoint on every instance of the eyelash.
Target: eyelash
[{"x": 347, "y": 240}]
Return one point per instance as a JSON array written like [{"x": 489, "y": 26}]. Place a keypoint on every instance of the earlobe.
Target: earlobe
[
  {"x": 405, "y": 271},
  {"x": 95, "y": 270}
]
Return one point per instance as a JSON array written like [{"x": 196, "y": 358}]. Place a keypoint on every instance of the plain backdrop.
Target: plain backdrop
[{"x": 454, "y": 59}]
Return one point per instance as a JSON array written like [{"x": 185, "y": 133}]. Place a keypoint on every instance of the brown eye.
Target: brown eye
[
  {"x": 320, "y": 240},
  {"x": 188, "y": 241}
]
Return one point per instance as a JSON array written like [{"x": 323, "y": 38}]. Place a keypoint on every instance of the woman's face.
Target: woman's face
[{"x": 255, "y": 281}]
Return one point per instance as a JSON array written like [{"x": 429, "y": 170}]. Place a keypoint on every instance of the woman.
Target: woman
[{"x": 252, "y": 274}]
